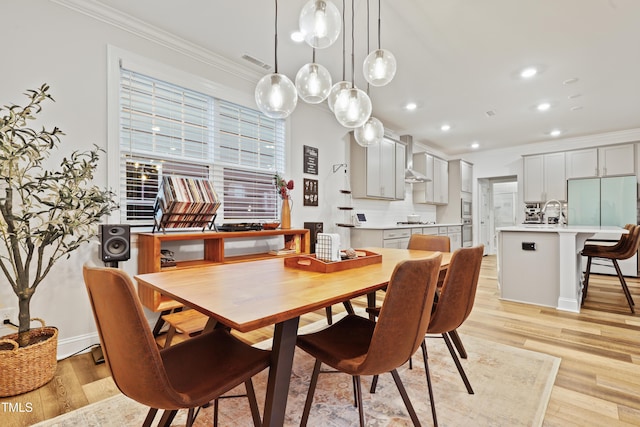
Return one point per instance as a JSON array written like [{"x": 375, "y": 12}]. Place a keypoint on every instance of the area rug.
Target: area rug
[{"x": 512, "y": 388}]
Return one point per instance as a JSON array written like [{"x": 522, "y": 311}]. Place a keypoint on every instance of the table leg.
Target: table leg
[
  {"x": 284, "y": 345},
  {"x": 371, "y": 303}
]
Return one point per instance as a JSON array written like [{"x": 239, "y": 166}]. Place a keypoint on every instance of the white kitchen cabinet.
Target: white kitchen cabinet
[
  {"x": 582, "y": 163},
  {"x": 616, "y": 160},
  {"x": 375, "y": 170},
  {"x": 455, "y": 237},
  {"x": 544, "y": 177},
  {"x": 600, "y": 161},
  {"x": 440, "y": 181},
  {"x": 401, "y": 161},
  {"x": 466, "y": 177},
  {"x": 436, "y": 169}
]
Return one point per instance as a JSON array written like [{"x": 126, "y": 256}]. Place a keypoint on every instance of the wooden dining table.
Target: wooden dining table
[{"x": 251, "y": 295}]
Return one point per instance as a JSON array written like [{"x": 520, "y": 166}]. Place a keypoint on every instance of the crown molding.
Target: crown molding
[{"x": 139, "y": 28}]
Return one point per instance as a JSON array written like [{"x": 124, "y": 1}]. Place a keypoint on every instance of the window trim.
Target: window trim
[{"x": 117, "y": 57}]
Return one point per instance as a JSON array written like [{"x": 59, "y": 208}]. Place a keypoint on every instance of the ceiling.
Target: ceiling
[{"x": 459, "y": 60}]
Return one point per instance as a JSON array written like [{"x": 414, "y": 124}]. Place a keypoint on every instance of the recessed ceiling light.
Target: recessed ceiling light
[
  {"x": 297, "y": 36},
  {"x": 555, "y": 132},
  {"x": 528, "y": 72},
  {"x": 576, "y": 108},
  {"x": 445, "y": 127},
  {"x": 475, "y": 145},
  {"x": 411, "y": 106},
  {"x": 570, "y": 81},
  {"x": 574, "y": 96},
  {"x": 543, "y": 106}
]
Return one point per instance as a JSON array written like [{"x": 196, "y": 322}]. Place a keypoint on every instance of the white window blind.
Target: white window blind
[{"x": 167, "y": 129}]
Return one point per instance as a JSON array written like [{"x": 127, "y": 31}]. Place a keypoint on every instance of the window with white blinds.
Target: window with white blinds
[{"x": 167, "y": 129}]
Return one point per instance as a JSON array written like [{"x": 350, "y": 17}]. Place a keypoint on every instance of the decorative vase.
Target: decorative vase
[
  {"x": 285, "y": 214},
  {"x": 28, "y": 368}
]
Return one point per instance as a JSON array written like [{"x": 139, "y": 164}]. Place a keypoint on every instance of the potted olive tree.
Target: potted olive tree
[{"x": 45, "y": 214}]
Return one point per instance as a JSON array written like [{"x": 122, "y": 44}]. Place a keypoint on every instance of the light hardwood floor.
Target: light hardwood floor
[{"x": 598, "y": 383}]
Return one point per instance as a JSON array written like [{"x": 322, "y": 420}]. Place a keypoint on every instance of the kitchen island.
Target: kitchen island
[{"x": 541, "y": 264}]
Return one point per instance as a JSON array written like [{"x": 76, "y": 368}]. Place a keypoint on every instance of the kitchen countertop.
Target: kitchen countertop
[
  {"x": 397, "y": 226},
  {"x": 550, "y": 228}
]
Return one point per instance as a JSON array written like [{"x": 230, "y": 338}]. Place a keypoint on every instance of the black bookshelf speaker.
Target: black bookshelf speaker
[
  {"x": 314, "y": 228},
  {"x": 115, "y": 242}
]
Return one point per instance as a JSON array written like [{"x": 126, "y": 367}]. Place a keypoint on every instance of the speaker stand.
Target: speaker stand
[
  {"x": 98, "y": 357},
  {"x": 113, "y": 264}
]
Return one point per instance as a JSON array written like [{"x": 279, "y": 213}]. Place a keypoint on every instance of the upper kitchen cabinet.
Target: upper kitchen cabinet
[
  {"x": 377, "y": 171},
  {"x": 600, "y": 162},
  {"x": 544, "y": 177},
  {"x": 466, "y": 177},
  {"x": 435, "y": 191}
]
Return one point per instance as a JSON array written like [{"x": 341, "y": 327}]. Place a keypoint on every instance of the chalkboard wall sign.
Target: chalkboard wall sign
[{"x": 310, "y": 160}]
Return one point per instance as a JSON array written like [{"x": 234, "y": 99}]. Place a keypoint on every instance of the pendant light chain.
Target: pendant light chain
[
  {"x": 353, "y": 43},
  {"x": 344, "y": 49}
]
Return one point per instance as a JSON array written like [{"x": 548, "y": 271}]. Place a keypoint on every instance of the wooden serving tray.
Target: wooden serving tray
[{"x": 311, "y": 263}]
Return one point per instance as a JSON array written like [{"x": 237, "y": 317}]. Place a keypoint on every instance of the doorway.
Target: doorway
[{"x": 498, "y": 199}]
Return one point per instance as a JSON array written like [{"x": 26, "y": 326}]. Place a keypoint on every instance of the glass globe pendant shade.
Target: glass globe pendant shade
[
  {"x": 276, "y": 96},
  {"x": 313, "y": 83},
  {"x": 371, "y": 132},
  {"x": 320, "y": 23},
  {"x": 352, "y": 108},
  {"x": 379, "y": 67},
  {"x": 335, "y": 92}
]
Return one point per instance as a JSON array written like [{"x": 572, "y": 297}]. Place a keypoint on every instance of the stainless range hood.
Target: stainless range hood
[{"x": 410, "y": 175}]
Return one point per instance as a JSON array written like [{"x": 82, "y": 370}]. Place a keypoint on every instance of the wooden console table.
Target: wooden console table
[{"x": 150, "y": 244}]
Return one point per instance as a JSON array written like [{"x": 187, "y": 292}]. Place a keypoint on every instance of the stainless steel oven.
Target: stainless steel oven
[
  {"x": 467, "y": 233},
  {"x": 466, "y": 210}
]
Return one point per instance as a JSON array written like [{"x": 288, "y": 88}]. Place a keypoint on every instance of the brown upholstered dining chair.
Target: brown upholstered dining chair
[
  {"x": 625, "y": 248},
  {"x": 358, "y": 346},
  {"x": 187, "y": 375},
  {"x": 455, "y": 301},
  {"x": 453, "y": 306}
]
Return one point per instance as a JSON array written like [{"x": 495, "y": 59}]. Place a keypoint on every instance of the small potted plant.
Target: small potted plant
[{"x": 44, "y": 216}]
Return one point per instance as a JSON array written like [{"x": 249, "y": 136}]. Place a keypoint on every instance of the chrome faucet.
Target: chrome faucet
[{"x": 561, "y": 220}]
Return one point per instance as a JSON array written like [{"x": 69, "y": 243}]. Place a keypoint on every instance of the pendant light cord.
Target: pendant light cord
[
  {"x": 379, "y": 1},
  {"x": 344, "y": 49},
  {"x": 276, "y": 38},
  {"x": 353, "y": 43}
]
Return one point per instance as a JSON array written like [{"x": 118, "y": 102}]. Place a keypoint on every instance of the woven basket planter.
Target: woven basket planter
[{"x": 28, "y": 368}]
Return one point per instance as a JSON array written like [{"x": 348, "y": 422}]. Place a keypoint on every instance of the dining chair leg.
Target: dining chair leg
[
  {"x": 215, "y": 413},
  {"x": 349, "y": 307},
  {"x": 329, "y": 313},
  {"x": 312, "y": 389},
  {"x": 374, "y": 384},
  {"x": 432, "y": 402},
  {"x": 405, "y": 397},
  {"x": 190, "y": 418},
  {"x": 253, "y": 403},
  {"x": 150, "y": 416},
  {"x": 463, "y": 375},
  {"x": 355, "y": 392},
  {"x": 358, "y": 388},
  {"x": 167, "y": 417},
  {"x": 455, "y": 338},
  {"x": 585, "y": 283},
  {"x": 625, "y": 288}
]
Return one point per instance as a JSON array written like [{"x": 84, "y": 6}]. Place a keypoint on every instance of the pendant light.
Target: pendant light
[
  {"x": 353, "y": 106},
  {"x": 275, "y": 94},
  {"x": 319, "y": 22},
  {"x": 343, "y": 84},
  {"x": 313, "y": 82},
  {"x": 379, "y": 67},
  {"x": 372, "y": 131}
]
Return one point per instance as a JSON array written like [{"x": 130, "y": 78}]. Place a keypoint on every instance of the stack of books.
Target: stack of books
[{"x": 185, "y": 203}]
